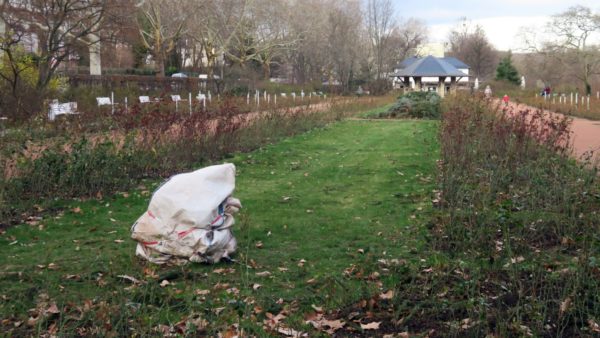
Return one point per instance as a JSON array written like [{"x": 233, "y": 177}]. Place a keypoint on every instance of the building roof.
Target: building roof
[
  {"x": 430, "y": 66},
  {"x": 407, "y": 62},
  {"x": 456, "y": 62}
]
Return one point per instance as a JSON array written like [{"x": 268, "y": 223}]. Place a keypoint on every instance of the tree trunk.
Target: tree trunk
[
  {"x": 160, "y": 65},
  {"x": 266, "y": 70}
]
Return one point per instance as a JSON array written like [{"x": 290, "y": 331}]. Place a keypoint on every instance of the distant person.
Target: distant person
[
  {"x": 488, "y": 92},
  {"x": 505, "y": 99}
]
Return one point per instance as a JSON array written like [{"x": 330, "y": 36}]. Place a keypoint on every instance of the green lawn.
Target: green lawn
[{"x": 325, "y": 205}]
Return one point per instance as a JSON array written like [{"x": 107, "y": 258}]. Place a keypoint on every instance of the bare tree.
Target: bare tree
[
  {"x": 405, "y": 40},
  {"x": 308, "y": 26},
  {"x": 344, "y": 46},
  {"x": 380, "y": 25},
  {"x": 57, "y": 27},
  {"x": 470, "y": 44},
  {"x": 269, "y": 37},
  {"x": 572, "y": 30},
  {"x": 162, "y": 23},
  {"x": 213, "y": 25}
]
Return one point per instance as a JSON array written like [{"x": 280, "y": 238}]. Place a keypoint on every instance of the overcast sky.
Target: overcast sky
[{"x": 501, "y": 19}]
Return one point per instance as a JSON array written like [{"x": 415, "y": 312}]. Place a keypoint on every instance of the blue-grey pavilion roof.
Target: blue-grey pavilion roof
[
  {"x": 455, "y": 62},
  {"x": 407, "y": 62},
  {"x": 430, "y": 66}
]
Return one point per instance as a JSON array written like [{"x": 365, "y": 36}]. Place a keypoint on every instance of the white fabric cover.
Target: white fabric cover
[{"x": 189, "y": 218}]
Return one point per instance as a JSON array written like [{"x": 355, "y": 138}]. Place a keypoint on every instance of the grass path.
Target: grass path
[{"x": 319, "y": 210}]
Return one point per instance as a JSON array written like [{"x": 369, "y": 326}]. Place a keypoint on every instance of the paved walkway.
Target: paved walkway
[{"x": 585, "y": 134}]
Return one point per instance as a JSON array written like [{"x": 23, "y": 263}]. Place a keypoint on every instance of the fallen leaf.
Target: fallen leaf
[
  {"x": 148, "y": 272},
  {"x": 259, "y": 245},
  {"x": 130, "y": 279},
  {"x": 202, "y": 292},
  {"x": 370, "y": 326},
  {"x": 317, "y": 308},
  {"x": 283, "y": 269},
  {"x": 387, "y": 295},
  {"x": 221, "y": 286},
  {"x": 52, "y": 266},
  {"x": 164, "y": 283},
  {"x": 361, "y": 251},
  {"x": 517, "y": 259},
  {"x": 234, "y": 291},
  {"x": 564, "y": 306},
  {"x": 595, "y": 327},
  {"x": 311, "y": 281},
  {"x": 301, "y": 262},
  {"x": 374, "y": 275},
  {"x": 263, "y": 274},
  {"x": 256, "y": 286},
  {"x": 53, "y": 309},
  {"x": 76, "y": 210},
  {"x": 119, "y": 241},
  {"x": 272, "y": 321},
  {"x": 290, "y": 332}
]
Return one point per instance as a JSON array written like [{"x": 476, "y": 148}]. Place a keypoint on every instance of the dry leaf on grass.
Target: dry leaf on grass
[
  {"x": 290, "y": 332},
  {"x": 130, "y": 279},
  {"x": 52, "y": 309},
  {"x": 263, "y": 274},
  {"x": 233, "y": 291},
  {"x": 564, "y": 306},
  {"x": 517, "y": 259},
  {"x": 202, "y": 292},
  {"x": 370, "y": 326},
  {"x": 326, "y": 325},
  {"x": 148, "y": 272},
  {"x": 387, "y": 295}
]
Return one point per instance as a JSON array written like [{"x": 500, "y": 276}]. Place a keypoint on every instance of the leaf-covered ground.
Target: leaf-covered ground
[{"x": 327, "y": 218}]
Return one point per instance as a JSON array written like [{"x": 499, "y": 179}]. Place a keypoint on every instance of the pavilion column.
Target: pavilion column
[
  {"x": 406, "y": 82},
  {"x": 453, "y": 84},
  {"x": 418, "y": 83},
  {"x": 442, "y": 86}
]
